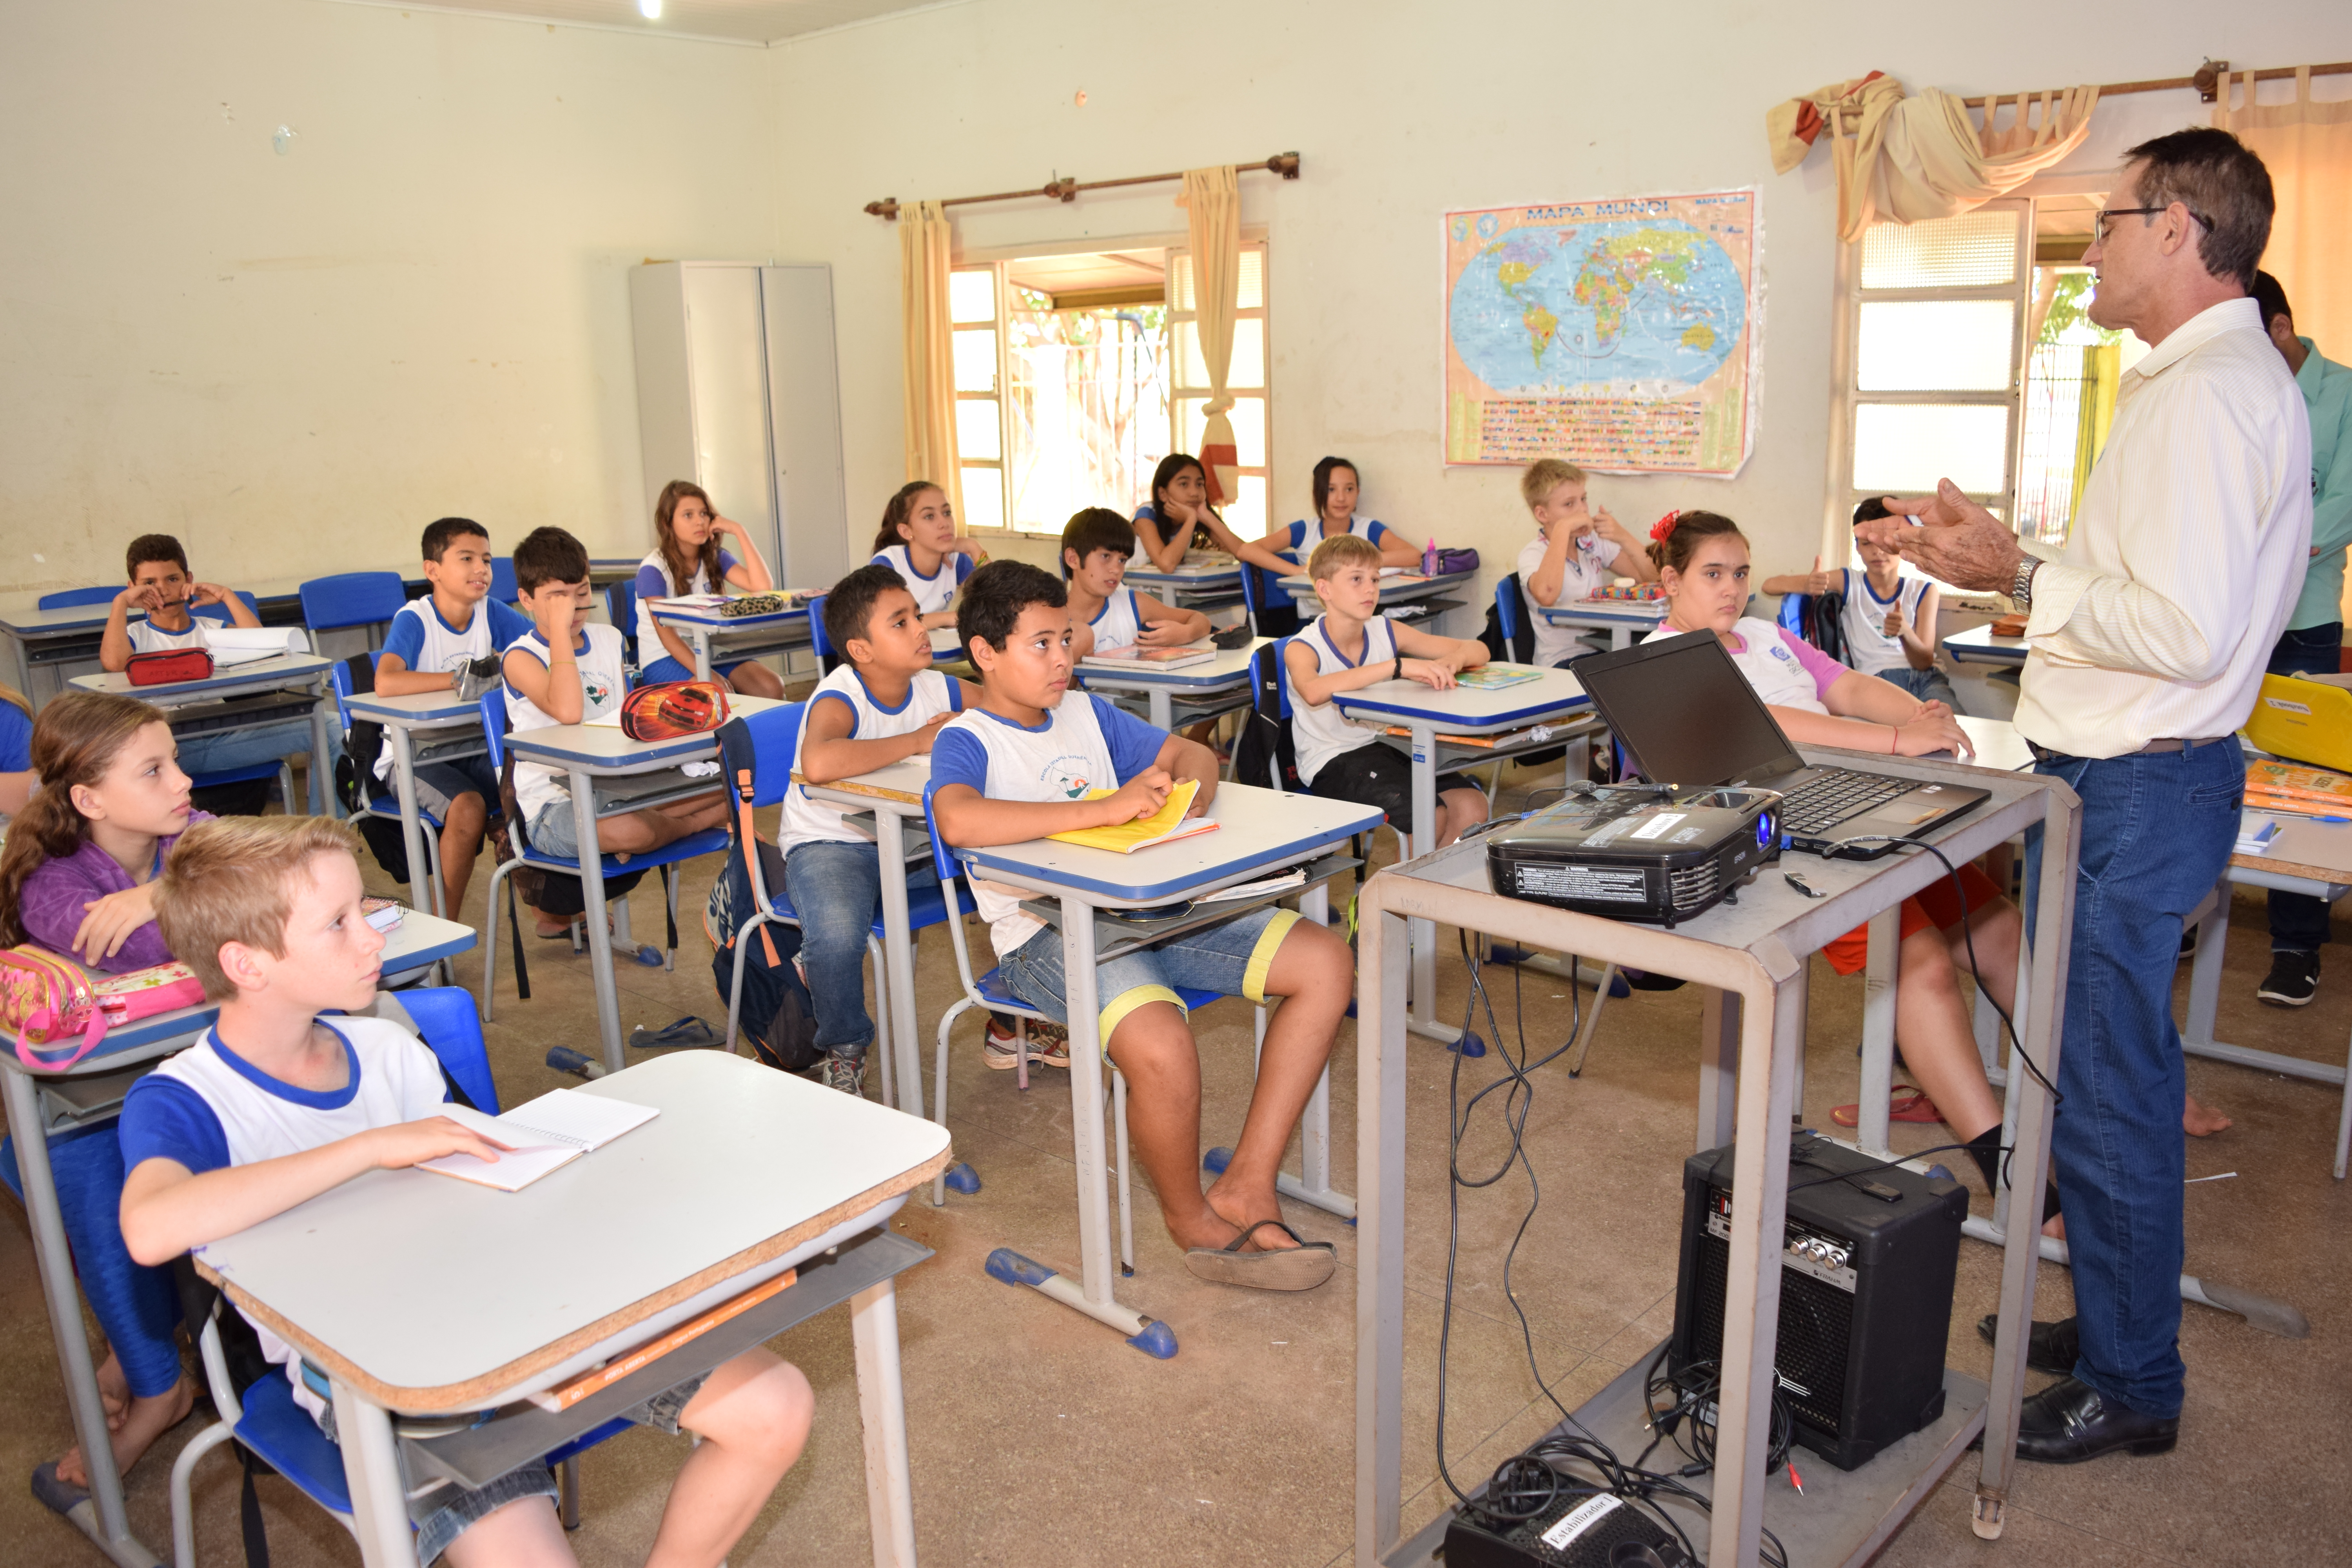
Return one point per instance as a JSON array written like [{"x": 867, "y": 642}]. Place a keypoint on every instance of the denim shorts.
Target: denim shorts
[
  {"x": 439, "y": 785},
  {"x": 552, "y": 831},
  {"x": 1231, "y": 959},
  {"x": 447, "y": 1512}
]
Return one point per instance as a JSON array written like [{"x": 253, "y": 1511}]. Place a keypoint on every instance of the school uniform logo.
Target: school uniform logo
[
  {"x": 1065, "y": 776},
  {"x": 1781, "y": 651},
  {"x": 595, "y": 688}
]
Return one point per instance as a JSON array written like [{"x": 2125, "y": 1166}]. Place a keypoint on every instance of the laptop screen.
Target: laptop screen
[{"x": 1684, "y": 713}]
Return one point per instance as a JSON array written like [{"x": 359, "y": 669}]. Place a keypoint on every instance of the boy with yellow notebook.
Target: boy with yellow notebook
[{"x": 1022, "y": 765}]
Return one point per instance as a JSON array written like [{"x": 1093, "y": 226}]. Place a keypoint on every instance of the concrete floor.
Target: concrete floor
[{"x": 1038, "y": 1436}]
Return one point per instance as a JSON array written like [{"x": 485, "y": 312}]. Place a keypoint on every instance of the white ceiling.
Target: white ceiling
[{"x": 724, "y": 21}]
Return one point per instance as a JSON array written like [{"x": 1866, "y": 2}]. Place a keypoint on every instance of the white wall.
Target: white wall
[
  {"x": 1401, "y": 112},
  {"x": 295, "y": 363}
]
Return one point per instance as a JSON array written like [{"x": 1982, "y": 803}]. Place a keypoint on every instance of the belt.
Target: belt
[{"x": 2044, "y": 753}]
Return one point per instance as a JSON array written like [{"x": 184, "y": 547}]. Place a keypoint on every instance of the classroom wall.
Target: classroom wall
[
  {"x": 295, "y": 363},
  {"x": 1401, "y": 112}
]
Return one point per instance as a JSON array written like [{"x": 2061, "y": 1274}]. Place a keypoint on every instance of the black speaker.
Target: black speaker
[{"x": 1866, "y": 1269}]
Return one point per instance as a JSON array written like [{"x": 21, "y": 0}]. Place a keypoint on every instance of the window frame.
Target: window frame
[
  {"x": 967, "y": 467},
  {"x": 1180, "y": 393}
]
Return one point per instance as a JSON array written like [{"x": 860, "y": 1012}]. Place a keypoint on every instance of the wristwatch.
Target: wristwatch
[{"x": 2022, "y": 588}]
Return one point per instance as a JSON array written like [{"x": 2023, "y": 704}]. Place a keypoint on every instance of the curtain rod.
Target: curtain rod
[
  {"x": 1066, "y": 190},
  {"x": 2207, "y": 81}
]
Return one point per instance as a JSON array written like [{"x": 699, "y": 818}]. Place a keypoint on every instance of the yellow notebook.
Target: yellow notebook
[{"x": 1162, "y": 826}]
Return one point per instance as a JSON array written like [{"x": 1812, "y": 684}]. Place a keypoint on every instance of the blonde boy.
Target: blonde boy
[
  {"x": 1573, "y": 554},
  {"x": 1353, "y": 646},
  {"x": 277, "y": 1104}
]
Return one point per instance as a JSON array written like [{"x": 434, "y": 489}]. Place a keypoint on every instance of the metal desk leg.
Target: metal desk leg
[
  {"x": 1718, "y": 1066},
  {"x": 2205, "y": 971},
  {"x": 1380, "y": 1234},
  {"x": 24, "y": 667},
  {"x": 600, "y": 939},
  {"x": 412, "y": 830},
  {"x": 372, "y": 1470},
  {"x": 701, "y": 636},
  {"x": 1770, "y": 1041},
  {"x": 102, "y": 1518},
  {"x": 1619, "y": 637},
  {"x": 899, "y": 962},
  {"x": 323, "y": 780},
  {"x": 1421, "y": 934},
  {"x": 1163, "y": 707},
  {"x": 1878, "y": 1029},
  {"x": 1313, "y": 1183},
  {"x": 882, "y": 1407}
]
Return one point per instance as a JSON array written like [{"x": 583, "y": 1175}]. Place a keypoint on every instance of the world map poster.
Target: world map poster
[{"x": 1621, "y": 335}]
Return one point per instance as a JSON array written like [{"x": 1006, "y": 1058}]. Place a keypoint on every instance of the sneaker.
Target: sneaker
[
  {"x": 2293, "y": 980},
  {"x": 1049, "y": 1046},
  {"x": 846, "y": 1074}
]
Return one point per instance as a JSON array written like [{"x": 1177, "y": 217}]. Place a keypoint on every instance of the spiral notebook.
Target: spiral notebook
[{"x": 548, "y": 1133}]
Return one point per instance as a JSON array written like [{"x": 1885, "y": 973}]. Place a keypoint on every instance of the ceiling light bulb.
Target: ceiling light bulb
[{"x": 649, "y": 9}]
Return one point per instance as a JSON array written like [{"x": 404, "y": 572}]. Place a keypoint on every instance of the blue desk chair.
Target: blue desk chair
[
  {"x": 819, "y": 643},
  {"x": 1511, "y": 616},
  {"x": 265, "y": 1419},
  {"x": 1792, "y": 613},
  {"x": 367, "y": 599},
  {"x": 621, "y": 609},
  {"x": 710, "y": 841},
  {"x": 775, "y": 736},
  {"x": 503, "y": 587},
  {"x": 388, "y": 806},
  {"x": 1270, "y": 610},
  {"x": 77, "y": 598}
]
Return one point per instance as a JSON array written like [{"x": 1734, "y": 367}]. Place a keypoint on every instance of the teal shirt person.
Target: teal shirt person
[{"x": 2328, "y": 392}]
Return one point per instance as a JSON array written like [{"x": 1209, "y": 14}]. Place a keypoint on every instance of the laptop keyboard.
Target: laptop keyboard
[{"x": 1823, "y": 803}]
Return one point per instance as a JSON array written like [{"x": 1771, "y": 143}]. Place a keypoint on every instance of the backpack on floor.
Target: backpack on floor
[{"x": 778, "y": 1016}]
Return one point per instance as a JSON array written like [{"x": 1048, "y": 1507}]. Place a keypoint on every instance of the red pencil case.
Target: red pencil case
[{"x": 162, "y": 668}]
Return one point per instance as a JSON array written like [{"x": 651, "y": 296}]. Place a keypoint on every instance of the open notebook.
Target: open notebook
[
  {"x": 245, "y": 645},
  {"x": 552, "y": 1131},
  {"x": 1162, "y": 826}
]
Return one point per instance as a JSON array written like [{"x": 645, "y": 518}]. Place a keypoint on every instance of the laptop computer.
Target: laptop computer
[{"x": 1685, "y": 715}]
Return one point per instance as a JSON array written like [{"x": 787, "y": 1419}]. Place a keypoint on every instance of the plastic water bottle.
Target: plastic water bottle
[{"x": 1429, "y": 558}]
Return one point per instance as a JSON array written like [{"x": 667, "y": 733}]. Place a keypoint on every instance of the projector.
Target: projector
[{"x": 1655, "y": 853}]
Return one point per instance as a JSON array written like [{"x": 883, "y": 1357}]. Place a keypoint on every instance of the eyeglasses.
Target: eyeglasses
[{"x": 2107, "y": 215}]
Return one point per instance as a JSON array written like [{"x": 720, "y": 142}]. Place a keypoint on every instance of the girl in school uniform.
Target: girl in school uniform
[
  {"x": 918, "y": 541},
  {"x": 1177, "y": 518},
  {"x": 687, "y": 559},
  {"x": 78, "y": 876},
  {"x": 1335, "y": 487},
  {"x": 1701, "y": 560}
]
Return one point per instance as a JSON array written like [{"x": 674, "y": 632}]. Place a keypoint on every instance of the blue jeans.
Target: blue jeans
[
  {"x": 836, "y": 890},
  {"x": 137, "y": 1306},
  {"x": 1929, "y": 685},
  {"x": 2298, "y": 921},
  {"x": 221, "y": 752},
  {"x": 2156, "y": 831}
]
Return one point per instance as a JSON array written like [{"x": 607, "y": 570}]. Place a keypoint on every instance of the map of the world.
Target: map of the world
[{"x": 1617, "y": 334}]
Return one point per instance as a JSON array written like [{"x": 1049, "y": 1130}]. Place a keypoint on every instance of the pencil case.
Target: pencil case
[
  {"x": 48, "y": 999},
  {"x": 667, "y": 710},
  {"x": 753, "y": 605},
  {"x": 168, "y": 665}
]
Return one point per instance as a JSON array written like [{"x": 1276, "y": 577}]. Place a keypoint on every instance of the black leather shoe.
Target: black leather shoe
[
  {"x": 2049, "y": 1347},
  {"x": 2069, "y": 1422}
]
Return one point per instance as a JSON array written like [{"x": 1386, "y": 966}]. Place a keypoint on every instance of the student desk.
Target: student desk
[
  {"x": 2307, "y": 857},
  {"x": 587, "y": 753},
  {"x": 1753, "y": 958},
  {"x": 1407, "y": 587},
  {"x": 1463, "y": 711},
  {"x": 526, "y": 1289},
  {"x": 1204, "y": 580},
  {"x": 1260, "y": 831},
  {"x": 1623, "y": 619},
  {"x": 1978, "y": 645},
  {"x": 735, "y": 636},
  {"x": 1205, "y": 689},
  {"x": 39, "y": 638},
  {"x": 604, "y": 569},
  {"x": 895, "y": 796},
  {"x": 403, "y": 719},
  {"x": 284, "y": 672},
  {"x": 40, "y": 1103}
]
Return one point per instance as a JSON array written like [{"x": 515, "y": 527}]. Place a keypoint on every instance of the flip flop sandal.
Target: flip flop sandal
[
  {"x": 1906, "y": 1105},
  {"x": 689, "y": 1032},
  {"x": 60, "y": 1497},
  {"x": 1302, "y": 1267}
]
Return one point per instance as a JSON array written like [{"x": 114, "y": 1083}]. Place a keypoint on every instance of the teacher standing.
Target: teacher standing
[{"x": 2147, "y": 640}]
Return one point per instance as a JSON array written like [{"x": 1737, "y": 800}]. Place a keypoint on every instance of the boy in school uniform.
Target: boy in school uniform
[
  {"x": 1351, "y": 646},
  {"x": 162, "y": 584},
  {"x": 883, "y": 703},
  {"x": 1889, "y": 620},
  {"x": 1105, "y": 615},
  {"x": 277, "y": 1103},
  {"x": 1576, "y": 550},
  {"x": 1018, "y": 767},
  {"x": 432, "y": 647},
  {"x": 567, "y": 671}
]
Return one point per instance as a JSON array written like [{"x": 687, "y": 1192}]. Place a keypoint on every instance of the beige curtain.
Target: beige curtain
[
  {"x": 1914, "y": 159},
  {"x": 924, "y": 254},
  {"x": 1213, "y": 205},
  {"x": 2308, "y": 147}
]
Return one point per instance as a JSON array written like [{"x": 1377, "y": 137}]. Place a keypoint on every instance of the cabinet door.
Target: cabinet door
[
  {"x": 815, "y": 546},
  {"x": 728, "y": 377}
]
